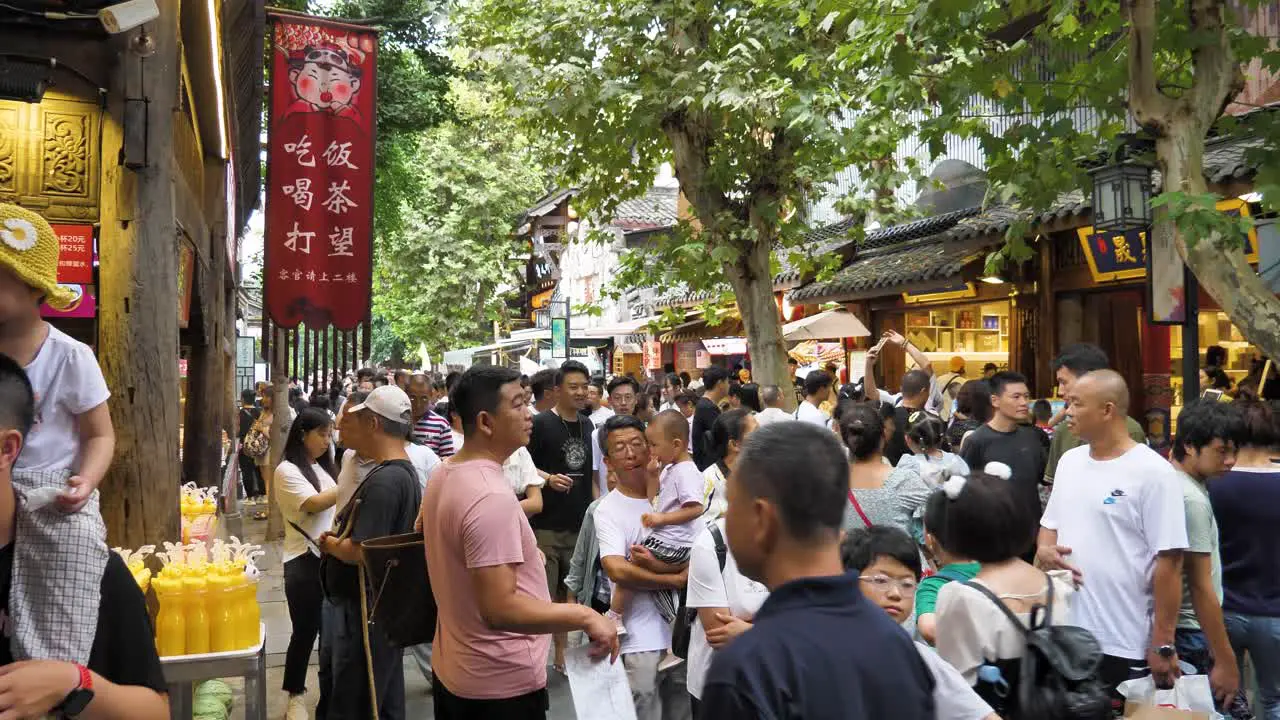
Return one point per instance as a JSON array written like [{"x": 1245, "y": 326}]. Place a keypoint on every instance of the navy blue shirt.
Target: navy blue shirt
[
  {"x": 818, "y": 650},
  {"x": 1246, "y": 503}
]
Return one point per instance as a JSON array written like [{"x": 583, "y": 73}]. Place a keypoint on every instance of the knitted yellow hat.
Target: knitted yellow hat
[{"x": 29, "y": 248}]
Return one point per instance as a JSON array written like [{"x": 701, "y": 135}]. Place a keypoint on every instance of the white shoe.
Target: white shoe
[{"x": 297, "y": 708}]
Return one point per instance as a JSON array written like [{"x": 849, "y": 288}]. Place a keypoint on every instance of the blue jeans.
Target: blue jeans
[
  {"x": 344, "y": 677},
  {"x": 1193, "y": 648},
  {"x": 1259, "y": 637}
]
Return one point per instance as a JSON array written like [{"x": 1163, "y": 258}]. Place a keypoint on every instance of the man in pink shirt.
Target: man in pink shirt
[{"x": 495, "y": 619}]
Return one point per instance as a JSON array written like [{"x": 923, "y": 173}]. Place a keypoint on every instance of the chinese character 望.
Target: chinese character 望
[
  {"x": 301, "y": 193},
  {"x": 292, "y": 237},
  {"x": 339, "y": 155},
  {"x": 341, "y": 241},
  {"x": 338, "y": 202},
  {"x": 302, "y": 150}
]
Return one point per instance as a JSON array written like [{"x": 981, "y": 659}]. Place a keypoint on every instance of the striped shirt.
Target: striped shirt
[{"x": 434, "y": 432}]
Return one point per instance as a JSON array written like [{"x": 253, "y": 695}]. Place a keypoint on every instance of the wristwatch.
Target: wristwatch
[
  {"x": 78, "y": 699},
  {"x": 1166, "y": 651}
]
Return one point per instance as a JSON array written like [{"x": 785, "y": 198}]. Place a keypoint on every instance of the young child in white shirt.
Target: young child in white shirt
[
  {"x": 53, "y": 603},
  {"x": 675, "y": 488}
]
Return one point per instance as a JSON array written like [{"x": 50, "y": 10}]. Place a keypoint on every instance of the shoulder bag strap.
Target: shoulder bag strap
[
  {"x": 722, "y": 550},
  {"x": 858, "y": 508},
  {"x": 1000, "y": 604}
]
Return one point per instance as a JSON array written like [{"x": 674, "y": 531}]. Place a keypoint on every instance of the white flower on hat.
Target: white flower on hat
[{"x": 19, "y": 234}]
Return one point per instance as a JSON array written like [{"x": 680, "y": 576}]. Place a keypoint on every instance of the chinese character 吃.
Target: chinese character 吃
[
  {"x": 339, "y": 155},
  {"x": 341, "y": 241},
  {"x": 292, "y": 237},
  {"x": 300, "y": 192},
  {"x": 301, "y": 149},
  {"x": 338, "y": 202}
]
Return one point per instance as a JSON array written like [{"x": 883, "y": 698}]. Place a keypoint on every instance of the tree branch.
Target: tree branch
[
  {"x": 1218, "y": 78},
  {"x": 1152, "y": 109}
]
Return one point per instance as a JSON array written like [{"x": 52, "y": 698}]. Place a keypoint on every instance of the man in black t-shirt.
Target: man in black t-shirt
[
  {"x": 386, "y": 503},
  {"x": 560, "y": 446},
  {"x": 715, "y": 384},
  {"x": 123, "y": 679},
  {"x": 1010, "y": 439}
]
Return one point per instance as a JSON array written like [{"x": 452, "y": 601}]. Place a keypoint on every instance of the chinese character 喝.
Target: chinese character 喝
[
  {"x": 294, "y": 235},
  {"x": 341, "y": 241},
  {"x": 1123, "y": 253},
  {"x": 300, "y": 192},
  {"x": 339, "y": 155},
  {"x": 338, "y": 202},
  {"x": 302, "y": 149}
]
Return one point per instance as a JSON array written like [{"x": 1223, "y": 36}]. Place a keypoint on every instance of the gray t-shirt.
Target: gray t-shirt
[
  {"x": 903, "y": 492},
  {"x": 1202, "y": 537}
]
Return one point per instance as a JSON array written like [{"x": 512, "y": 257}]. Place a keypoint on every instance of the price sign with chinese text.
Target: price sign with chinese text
[
  {"x": 319, "y": 229},
  {"x": 75, "y": 253}
]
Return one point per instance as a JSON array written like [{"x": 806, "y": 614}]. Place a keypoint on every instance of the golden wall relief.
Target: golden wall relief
[{"x": 49, "y": 157}]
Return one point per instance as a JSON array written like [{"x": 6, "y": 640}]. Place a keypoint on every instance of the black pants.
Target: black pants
[
  {"x": 1115, "y": 670},
  {"x": 250, "y": 477},
  {"x": 530, "y": 706},
  {"x": 302, "y": 593},
  {"x": 694, "y": 704},
  {"x": 344, "y": 677}
]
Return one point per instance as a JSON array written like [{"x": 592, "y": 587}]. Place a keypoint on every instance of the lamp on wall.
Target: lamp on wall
[{"x": 25, "y": 79}]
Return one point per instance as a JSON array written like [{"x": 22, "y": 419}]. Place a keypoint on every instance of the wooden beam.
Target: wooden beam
[{"x": 138, "y": 315}]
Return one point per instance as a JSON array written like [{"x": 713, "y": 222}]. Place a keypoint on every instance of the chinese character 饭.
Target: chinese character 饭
[
  {"x": 339, "y": 155},
  {"x": 292, "y": 237},
  {"x": 1123, "y": 253},
  {"x": 301, "y": 193},
  {"x": 301, "y": 149},
  {"x": 338, "y": 202},
  {"x": 341, "y": 241}
]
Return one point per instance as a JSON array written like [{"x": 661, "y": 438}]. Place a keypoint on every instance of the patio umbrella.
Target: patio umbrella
[{"x": 829, "y": 325}]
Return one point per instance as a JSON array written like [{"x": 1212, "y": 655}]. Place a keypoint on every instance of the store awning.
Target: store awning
[
  {"x": 465, "y": 356},
  {"x": 829, "y": 325},
  {"x": 725, "y": 345},
  {"x": 628, "y": 327}
]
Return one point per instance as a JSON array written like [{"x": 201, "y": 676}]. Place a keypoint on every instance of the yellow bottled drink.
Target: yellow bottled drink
[
  {"x": 250, "y": 614},
  {"x": 196, "y": 588},
  {"x": 223, "y": 614},
  {"x": 171, "y": 623}
]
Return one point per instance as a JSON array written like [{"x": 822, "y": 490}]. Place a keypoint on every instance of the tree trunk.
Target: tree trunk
[
  {"x": 752, "y": 284},
  {"x": 279, "y": 431},
  {"x": 1221, "y": 270},
  {"x": 138, "y": 321}
]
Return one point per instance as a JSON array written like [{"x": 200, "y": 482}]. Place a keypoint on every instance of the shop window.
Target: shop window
[
  {"x": 1215, "y": 329},
  {"x": 979, "y": 333}
]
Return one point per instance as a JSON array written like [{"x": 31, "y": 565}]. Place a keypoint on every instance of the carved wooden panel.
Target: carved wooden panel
[{"x": 50, "y": 157}]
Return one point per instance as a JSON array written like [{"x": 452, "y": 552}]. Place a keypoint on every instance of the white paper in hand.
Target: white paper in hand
[{"x": 600, "y": 688}]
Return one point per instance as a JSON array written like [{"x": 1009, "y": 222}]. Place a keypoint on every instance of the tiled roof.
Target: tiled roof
[
  {"x": 656, "y": 208},
  {"x": 916, "y": 261},
  {"x": 1226, "y": 161}
]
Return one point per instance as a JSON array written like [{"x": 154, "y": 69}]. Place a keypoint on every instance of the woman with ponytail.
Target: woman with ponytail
[
  {"x": 725, "y": 440},
  {"x": 879, "y": 494}
]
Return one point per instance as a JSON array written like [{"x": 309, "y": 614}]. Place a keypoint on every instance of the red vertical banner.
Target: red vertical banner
[{"x": 319, "y": 219}]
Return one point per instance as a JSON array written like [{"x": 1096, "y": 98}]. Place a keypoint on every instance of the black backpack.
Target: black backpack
[
  {"x": 1057, "y": 677},
  {"x": 682, "y": 628}
]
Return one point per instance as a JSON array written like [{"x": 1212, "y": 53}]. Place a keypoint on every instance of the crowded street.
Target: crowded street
[{"x": 639, "y": 360}]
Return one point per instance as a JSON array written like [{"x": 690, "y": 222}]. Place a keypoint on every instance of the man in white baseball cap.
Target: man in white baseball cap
[{"x": 386, "y": 503}]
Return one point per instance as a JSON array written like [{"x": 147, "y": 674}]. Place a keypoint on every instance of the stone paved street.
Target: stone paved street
[{"x": 276, "y": 616}]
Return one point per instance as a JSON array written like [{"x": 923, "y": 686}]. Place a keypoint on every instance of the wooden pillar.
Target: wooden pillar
[
  {"x": 1046, "y": 347},
  {"x": 279, "y": 424},
  {"x": 138, "y": 311}
]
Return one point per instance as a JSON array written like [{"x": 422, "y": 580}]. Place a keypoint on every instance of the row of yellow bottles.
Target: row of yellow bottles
[{"x": 206, "y": 606}]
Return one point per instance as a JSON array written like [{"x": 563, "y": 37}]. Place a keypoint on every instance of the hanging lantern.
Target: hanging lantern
[{"x": 1121, "y": 197}]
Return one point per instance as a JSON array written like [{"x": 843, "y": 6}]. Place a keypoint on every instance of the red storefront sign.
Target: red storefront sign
[
  {"x": 653, "y": 355},
  {"x": 75, "y": 254},
  {"x": 319, "y": 220}
]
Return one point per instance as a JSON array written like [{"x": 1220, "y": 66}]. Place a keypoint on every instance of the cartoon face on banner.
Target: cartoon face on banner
[{"x": 320, "y": 173}]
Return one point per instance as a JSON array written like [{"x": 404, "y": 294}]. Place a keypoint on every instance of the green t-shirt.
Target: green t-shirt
[
  {"x": 1202, "y": 537},
  {"x": 1064, "y": 440},
  {"x": 927, "y": 592}
]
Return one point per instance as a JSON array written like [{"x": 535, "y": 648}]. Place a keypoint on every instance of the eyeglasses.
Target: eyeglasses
[{"x": 882, "y": 583}]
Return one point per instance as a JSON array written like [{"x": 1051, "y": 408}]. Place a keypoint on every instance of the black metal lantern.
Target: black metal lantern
[{"x": 1121, "y": 196}]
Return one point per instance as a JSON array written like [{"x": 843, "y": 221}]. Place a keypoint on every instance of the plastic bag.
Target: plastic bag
[{"x": 1191, "y": 697}]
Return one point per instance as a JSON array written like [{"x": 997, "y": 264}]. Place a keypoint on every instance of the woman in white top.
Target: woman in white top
[
  {"x": 983, "y": 518},
  {"x": 726, "y": 601},
  {"x": 306, "y": 492},
  {"x": 725, "y": 440}
]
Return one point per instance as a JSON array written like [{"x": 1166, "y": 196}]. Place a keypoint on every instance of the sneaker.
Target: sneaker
[
  {"x": 297, "y": 709},
  {"x": 617, "y": 621},
  {"x": 668, "y": 661}
]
